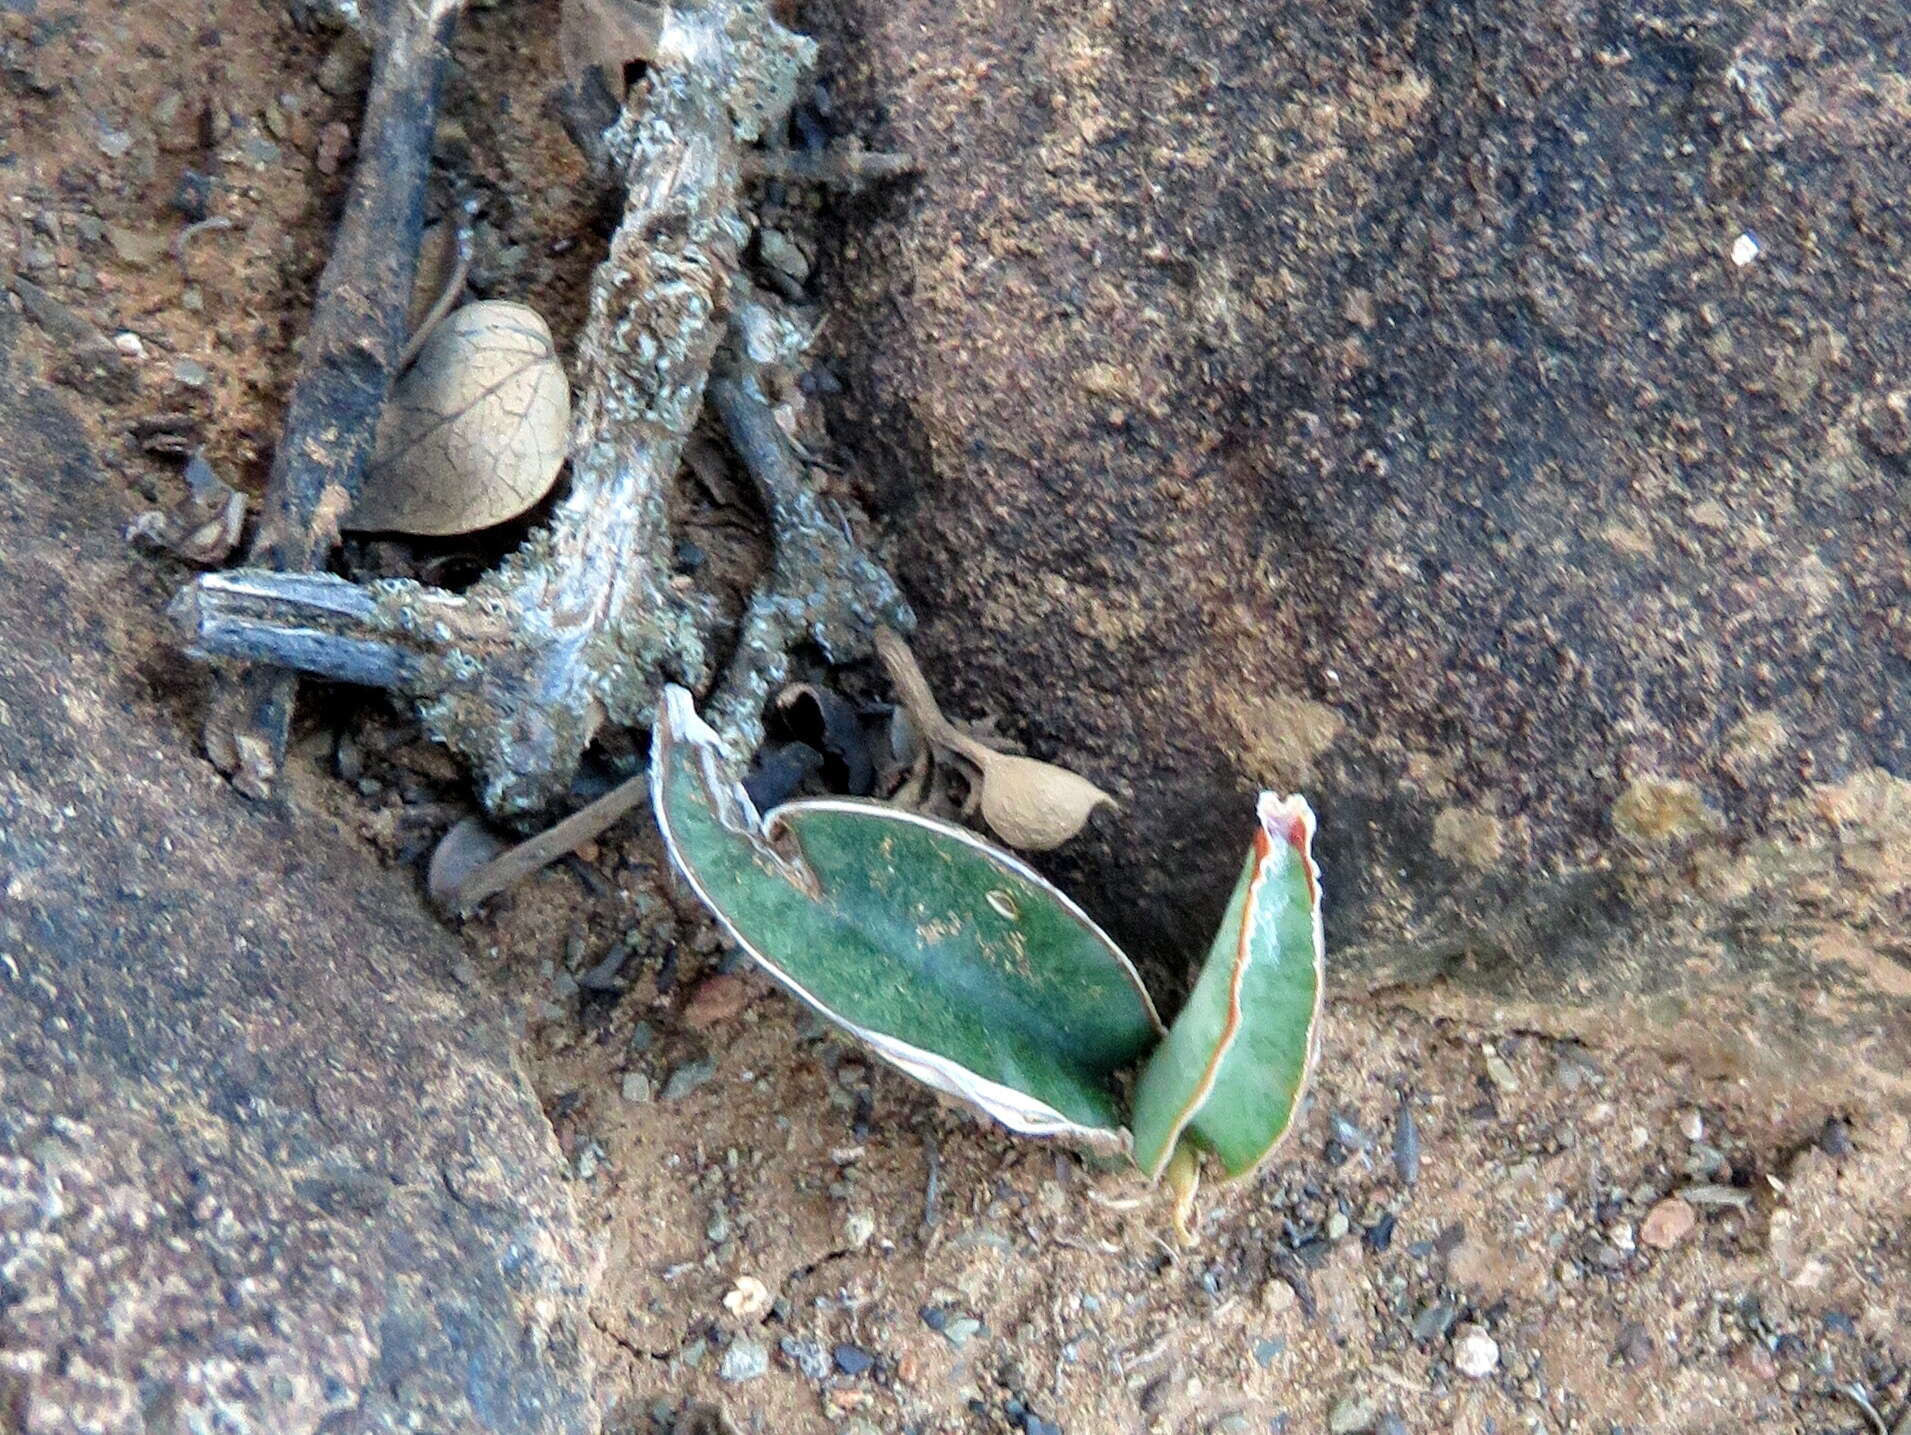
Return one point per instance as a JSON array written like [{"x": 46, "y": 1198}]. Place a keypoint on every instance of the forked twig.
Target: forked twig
[{"x": 583, "y": 625}]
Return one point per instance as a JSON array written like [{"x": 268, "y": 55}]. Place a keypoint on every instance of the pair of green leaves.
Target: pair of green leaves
[{"x": 955, "y": 961}]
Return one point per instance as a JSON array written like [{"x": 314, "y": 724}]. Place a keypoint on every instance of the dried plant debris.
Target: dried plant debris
[
  {"x": 475, "y": 431},
  {"x": 350, "y": 356},
  {"x": 829, "y": 723},
  {"x": 583, "y": 624},
  {"x": 472, "y": 863},
  {"x": 205, "y": 527},
  {"x": 1031, "y": 805}
]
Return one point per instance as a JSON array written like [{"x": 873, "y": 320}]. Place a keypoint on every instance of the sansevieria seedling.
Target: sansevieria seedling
[{"x": 957, "y": 962}]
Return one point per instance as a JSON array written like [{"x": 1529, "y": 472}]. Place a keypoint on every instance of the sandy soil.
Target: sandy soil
[{"x": 919, "y": 1270}]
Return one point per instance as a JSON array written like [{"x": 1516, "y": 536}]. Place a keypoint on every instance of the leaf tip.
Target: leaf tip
[{"x": 1287, "y": 819}]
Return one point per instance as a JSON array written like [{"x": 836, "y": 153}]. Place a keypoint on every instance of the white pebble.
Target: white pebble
[
  {"x": 749, "y": 1299},
  {"x": 1693, "y": 1125},
  {"x": 1745, "y": 249},
  {"x": 128, "y": 343},
  {"x": 1477, "y": 1355},
  {"x": 859, "y": 1227}
]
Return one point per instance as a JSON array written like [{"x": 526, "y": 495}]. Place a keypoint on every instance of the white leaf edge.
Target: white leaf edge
[{"x": 677, "y": 721}]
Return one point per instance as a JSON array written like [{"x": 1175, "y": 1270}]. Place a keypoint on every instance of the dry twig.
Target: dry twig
[
  {"x": 582, "y": 625},
  {"x": 358, "y": 327}
]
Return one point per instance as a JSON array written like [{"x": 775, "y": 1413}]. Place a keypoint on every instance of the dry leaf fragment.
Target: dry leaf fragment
[
  {"x": 203, "y": 529},
  {"x": 475, "y": 431}
]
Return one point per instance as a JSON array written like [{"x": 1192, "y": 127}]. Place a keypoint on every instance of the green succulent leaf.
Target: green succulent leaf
[
  {"x": 950, "y": 957},
  {"x": 1229, "y": 1075}
]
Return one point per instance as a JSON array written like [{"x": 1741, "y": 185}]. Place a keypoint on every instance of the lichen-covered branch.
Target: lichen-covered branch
[
  {"x": 821, "y": 587},
  {"x": 582, "y": 625}
]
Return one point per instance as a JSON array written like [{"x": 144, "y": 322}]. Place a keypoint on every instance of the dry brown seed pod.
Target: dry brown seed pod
[
  {"x": 475, "y": 431},
  {"x": 1032, "y": 805}
]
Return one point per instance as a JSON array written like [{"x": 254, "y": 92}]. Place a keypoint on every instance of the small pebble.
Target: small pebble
[
  {"x": 1476, "y": 1355},
  {"x": 191, "y": 373},
  {"x": 334, "y": 145},
  {"x": 1036, "y": 1425},
  {"x": 1712, "y": 1194},
  {"x": 1668, "y": 1223},
  {"x": 852, "y": 1359},
  {"x": 960, "y": 1332},
  {"x": 1434, "y": 1321},
  {"x": 129, "y": 344},
  {"x": 935, "y": 1317},
  {"x": 779, "y": 251},
  {"x": 1497, "y": 1071},
  {"x": 688, "y": 1077},
  {"x": 744, "y": 1360},
  {"x": 1347, "y": 1133},
  {"x": 1390, "y": 1424},
  {"x": 1352, "y": 1415},
  {"x": 807, "y": 1356},
  {"x": 1406, "y": 1146},
  {"x": 636, "y": 1087},
  {"x": 859, "y": 1226},
  {"x": 1337, "y": 1226},
  {"x": 192, "y": 196},
  {"x": 1834, "y": 1139},
  {"x": 1266, "y": 1352},
  {"x": 345, "y": 68},
  {"x": 1692, "y": 1126},
  {"x": 1756, "y": 1360},
  {"x": 749, "y": 1299}
]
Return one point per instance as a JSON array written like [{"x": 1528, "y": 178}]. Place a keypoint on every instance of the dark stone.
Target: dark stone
[
  {"x": 852, "y": 1359},
  {"x": 1363, "y": 399},
  {"x": 192, "y": 196},
  {"x": 1834, "y": 1138},
  {"x": 265, "y": 1165},
  {"x": 1434, "y": 1321}
]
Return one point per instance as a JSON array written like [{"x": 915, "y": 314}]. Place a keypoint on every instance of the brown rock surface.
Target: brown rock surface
[
  {"x": 264, "y": 1165},
  {"x": 1369, "y": 399}
]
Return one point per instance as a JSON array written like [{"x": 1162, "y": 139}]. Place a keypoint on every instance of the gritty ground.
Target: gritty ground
[{"x": 804, "y": 1238}]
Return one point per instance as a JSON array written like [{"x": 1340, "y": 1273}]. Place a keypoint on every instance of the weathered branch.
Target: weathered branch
[
  {"x": 821, "y": 586},
  {"x": 583, "y": 624},
  {"x": 357, "y": 330}
]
